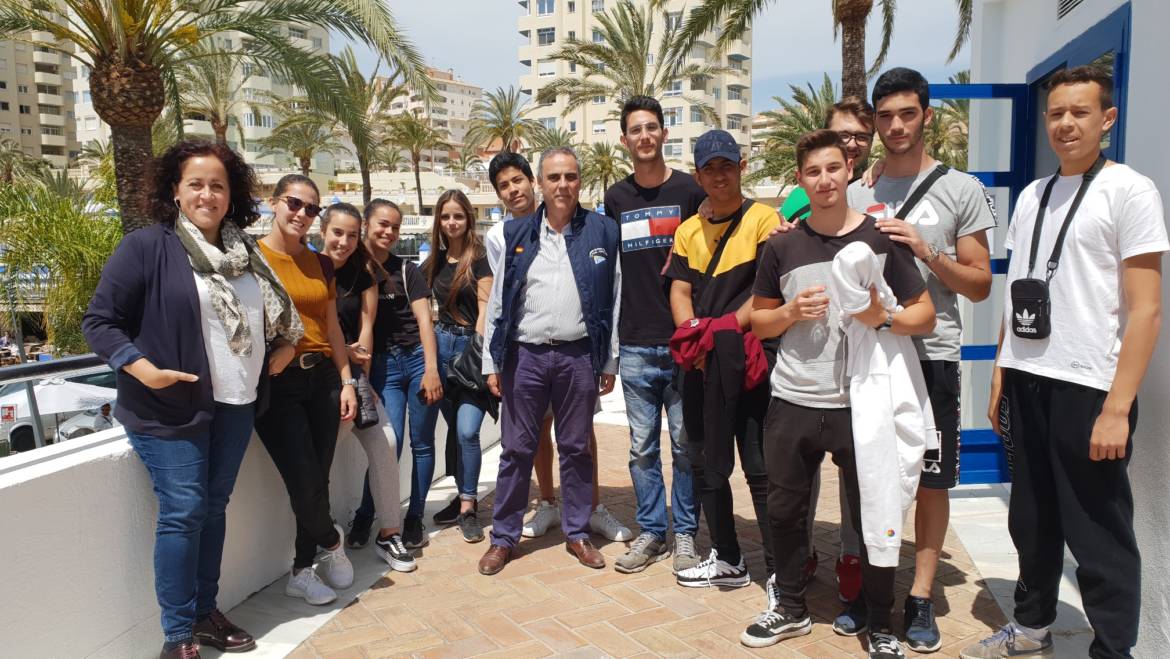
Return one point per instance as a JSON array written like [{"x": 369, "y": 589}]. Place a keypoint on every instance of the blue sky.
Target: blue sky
[{"x": 793, "y": 41}]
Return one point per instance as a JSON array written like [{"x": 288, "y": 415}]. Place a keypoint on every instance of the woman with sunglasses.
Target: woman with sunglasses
[
  {"x": 405, "y": 367},
  {"x": 461, "y": 280},
  {"x": 357, "y": 306},
  {"x": 182, "y": 314},
  {"x": 312, "y": 392}
]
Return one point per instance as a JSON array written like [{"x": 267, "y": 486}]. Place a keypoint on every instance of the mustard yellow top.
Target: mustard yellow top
[{"x": 304, "y": 280}]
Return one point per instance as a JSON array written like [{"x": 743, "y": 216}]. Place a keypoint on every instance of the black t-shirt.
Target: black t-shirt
[
  {"x": 352, "y": 281},
  {"x": 648, "y": 219},
  {"x": 395, "y": 324},
  {"x": 464, "y": 308}
]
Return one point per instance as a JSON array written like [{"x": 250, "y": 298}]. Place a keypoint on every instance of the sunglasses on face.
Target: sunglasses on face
[{"x": 294, "y": 204}]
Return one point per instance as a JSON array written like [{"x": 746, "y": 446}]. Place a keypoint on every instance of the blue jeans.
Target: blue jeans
[
  {"x": 464, "y": 417},
  {"x": 397, "y": 374},
  {"x": 193, "y": 478},
  {"x": 648, "y": 385}
]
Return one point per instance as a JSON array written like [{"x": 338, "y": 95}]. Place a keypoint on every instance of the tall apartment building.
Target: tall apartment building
[
  {"x": 255, "y": 82},
  {"x": 35, "y": 107},
  {"x": 451, "y": 112},
  {"x": 548, "y": 24}
]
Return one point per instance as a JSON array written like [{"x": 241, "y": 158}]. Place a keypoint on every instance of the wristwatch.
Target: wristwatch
[
  {"x": 933, "y": 254},
  {"x": 888, "y": 323},
  {"x": 351, "y": 382}
]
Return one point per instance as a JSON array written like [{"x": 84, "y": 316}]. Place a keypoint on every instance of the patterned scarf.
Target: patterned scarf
[{"x": 240, "y": 255}]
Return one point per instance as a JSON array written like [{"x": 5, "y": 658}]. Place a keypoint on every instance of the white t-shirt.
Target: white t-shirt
[
  {"x": 1119, "y": 217},
  {"x": 233, "y": 379}
]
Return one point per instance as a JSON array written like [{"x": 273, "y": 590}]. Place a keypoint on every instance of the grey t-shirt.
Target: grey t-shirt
[
  {"x": 810, "y": 363},
  {"x": 955, "y": 206}
]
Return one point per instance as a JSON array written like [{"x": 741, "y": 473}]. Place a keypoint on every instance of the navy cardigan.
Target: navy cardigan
[{"x": 146, "y": 305}]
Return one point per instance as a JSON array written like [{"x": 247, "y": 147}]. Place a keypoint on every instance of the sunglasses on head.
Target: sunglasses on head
[{"x": 294, "y": 204}]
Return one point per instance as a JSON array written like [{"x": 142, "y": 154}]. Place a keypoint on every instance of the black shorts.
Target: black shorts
[{"x": 940, "y": 468}]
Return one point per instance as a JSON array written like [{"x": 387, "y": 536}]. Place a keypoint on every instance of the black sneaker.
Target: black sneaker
[
  {"x": 771, "y": 627},
  {"x": 884, "y": 645},
  {"x": 921, "y": 632},
  {"x": 359, "y": 532},
  {"x": 394, "y": 552},
  {"x": 470, "y": 527},
  {"x": 448, "y": 515},
  {"x": 414, "y": 534},
  {"x": 853, "y": 620}
]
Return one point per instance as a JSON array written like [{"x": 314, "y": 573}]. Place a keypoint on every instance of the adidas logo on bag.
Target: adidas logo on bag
[{"x": 1025, "y": 321}]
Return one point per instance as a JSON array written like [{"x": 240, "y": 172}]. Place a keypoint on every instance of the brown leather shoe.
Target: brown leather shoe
[
  {"x": 186, "y": 650},
  {"x": 220, "y": 633},
  {"x": 494, "y": 560},
  {"x": 586, "y": 553}
]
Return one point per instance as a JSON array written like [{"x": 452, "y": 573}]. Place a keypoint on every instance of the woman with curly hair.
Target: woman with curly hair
[{"x": 182, "y": 314}]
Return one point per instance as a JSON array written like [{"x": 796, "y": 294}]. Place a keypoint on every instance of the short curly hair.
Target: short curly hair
[{"x": 168, "y": 171}]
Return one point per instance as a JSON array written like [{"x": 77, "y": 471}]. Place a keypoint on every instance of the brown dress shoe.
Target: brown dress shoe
[
  {"x": 218, "y": 632},
  {"x": 586, "y": 553},
  {"x": 186, "y": 650},
  {"x": 494, "y": 560}
]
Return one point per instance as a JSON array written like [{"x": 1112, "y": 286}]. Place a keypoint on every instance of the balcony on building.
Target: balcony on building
[{"x": 46, "y": 56}]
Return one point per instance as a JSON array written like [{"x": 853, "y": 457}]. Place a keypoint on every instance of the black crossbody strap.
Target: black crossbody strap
[
  {"x": 723, "y": 240},
  {"x": 1054, "y": 258},
  {"x": 921, "y": 191}
]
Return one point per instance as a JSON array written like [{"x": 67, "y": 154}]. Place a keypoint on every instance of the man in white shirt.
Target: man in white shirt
[
  {"x": 1064, "y": 393},
  {"x": 103, "y": 420}
]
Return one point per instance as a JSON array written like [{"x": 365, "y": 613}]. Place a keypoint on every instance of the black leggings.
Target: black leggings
[{"x": 299, "y": 429}]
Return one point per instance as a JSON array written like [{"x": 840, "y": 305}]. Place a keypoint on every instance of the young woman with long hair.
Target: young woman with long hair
[{"x": 312, "y": 392}]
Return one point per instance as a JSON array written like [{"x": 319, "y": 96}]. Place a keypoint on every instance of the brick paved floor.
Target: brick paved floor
[{"x": 545, "y": 604}]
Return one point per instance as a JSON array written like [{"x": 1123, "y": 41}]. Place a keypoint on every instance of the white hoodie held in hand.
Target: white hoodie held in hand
[{"x": 893, "y": 424}]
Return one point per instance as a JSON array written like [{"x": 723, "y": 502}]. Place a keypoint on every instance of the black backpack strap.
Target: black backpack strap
[
  {"x": 938, "y": 172},
  {"x": 1054, "y": 258}
]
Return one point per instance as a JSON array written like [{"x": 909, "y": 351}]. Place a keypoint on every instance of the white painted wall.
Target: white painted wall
[
  {"x": 76, "y": 550},
  {"x": 1009, "y": 38}
]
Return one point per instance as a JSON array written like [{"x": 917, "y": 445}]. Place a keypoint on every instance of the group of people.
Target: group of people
[{"x": 833, "y": 329}]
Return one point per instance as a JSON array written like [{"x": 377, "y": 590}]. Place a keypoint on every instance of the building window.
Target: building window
[
  {"x": 3, "y": 84},
  {"x": 545, "y": 36},
  {"x": 86, "y": 97},
  {"x": 715, "y": 91},
  {"x": 25, "y": 131},
  {"x": 5, "y": 129},
  {"x": 4, "y": 106},
  {"x": 318, "y": 43},
  {"x": 597, "y": 38},
  {"x": 25, "y": 109},
  {"x": 266, "y": 121},
  {"x": 672, "y": 149},
  {"x": 733, "y": 123},
  {"x": 572, "y": 67},
  {"x": 22, "y": 89},
  {"x": 572, "y": 7},
  {"x": 49, "y": 109},
  {"x": 696, "y": 114},
  {"x": 545, "y": 7},
  {"x": 298, "y": 33},
  {"x": 549, "y": 123},
  {"x": 735, "y": 63},
  {"x": 52, "y": 90},
  {"x": 51, "y": 130},
  {"x": 598, "y": 126},
  {"x": 546, "y": 68},
  {"x": 650, "y": 59},
  {"x": 673, "y": 89},
  {"x": 674, "y": 20},
  {"x": 733, "y": 94},
  {"x": 572, "y": 34},
  {"x": 598, "y": 6},
  {"x": 672, "y": 116},
  {"x": 599, "y": 100},
  {"x": 572, "y": 126}
]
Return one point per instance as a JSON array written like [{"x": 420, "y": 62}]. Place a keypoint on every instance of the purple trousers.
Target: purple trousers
[{"x": 533, "y": 378}]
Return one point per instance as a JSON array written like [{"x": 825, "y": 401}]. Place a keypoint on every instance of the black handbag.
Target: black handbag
[
  {"x": 367, "y": 405},
  {"x": 466, "y": 370}
]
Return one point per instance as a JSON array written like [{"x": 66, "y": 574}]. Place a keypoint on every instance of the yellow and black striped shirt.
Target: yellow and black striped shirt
[{"x": 731, "y": 282}]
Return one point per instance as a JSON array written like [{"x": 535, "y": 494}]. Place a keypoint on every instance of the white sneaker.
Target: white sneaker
[
  {"x": 603, "y": 523},
  {"x": 308, "y": 586},
  {"x": 543, "y": 518},
  {"x": 336, "y": 567},
  {"x": 714, "y": 571}
]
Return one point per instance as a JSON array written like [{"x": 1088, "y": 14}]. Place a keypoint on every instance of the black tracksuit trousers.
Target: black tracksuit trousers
[{"x": 1059, "y": 496}]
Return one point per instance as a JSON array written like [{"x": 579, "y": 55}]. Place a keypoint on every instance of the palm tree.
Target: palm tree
[
  {"x": 804, "y": 113},
  {"x": 625, "y": 64},
  {"x": 548, "y": 138},
  {"x": 946, "y": 136},
  {"x": 603, "y": 163},
  {"x": 410, "y": 133},
  {"x": 468, "y": 159},
  {"x": 133, "y": 48},
  {"x": 304, "y": 136},
  {"x": 15, "y": 164},
  {"x": 732, "y": 19},
  {"x": 499, "y": 115},
  {"x": 50, "y": 229},
  {"x": 209, "y": 89}
]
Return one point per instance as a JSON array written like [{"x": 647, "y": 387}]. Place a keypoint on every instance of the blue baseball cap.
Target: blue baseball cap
[{"x": 716, "y": 144}]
